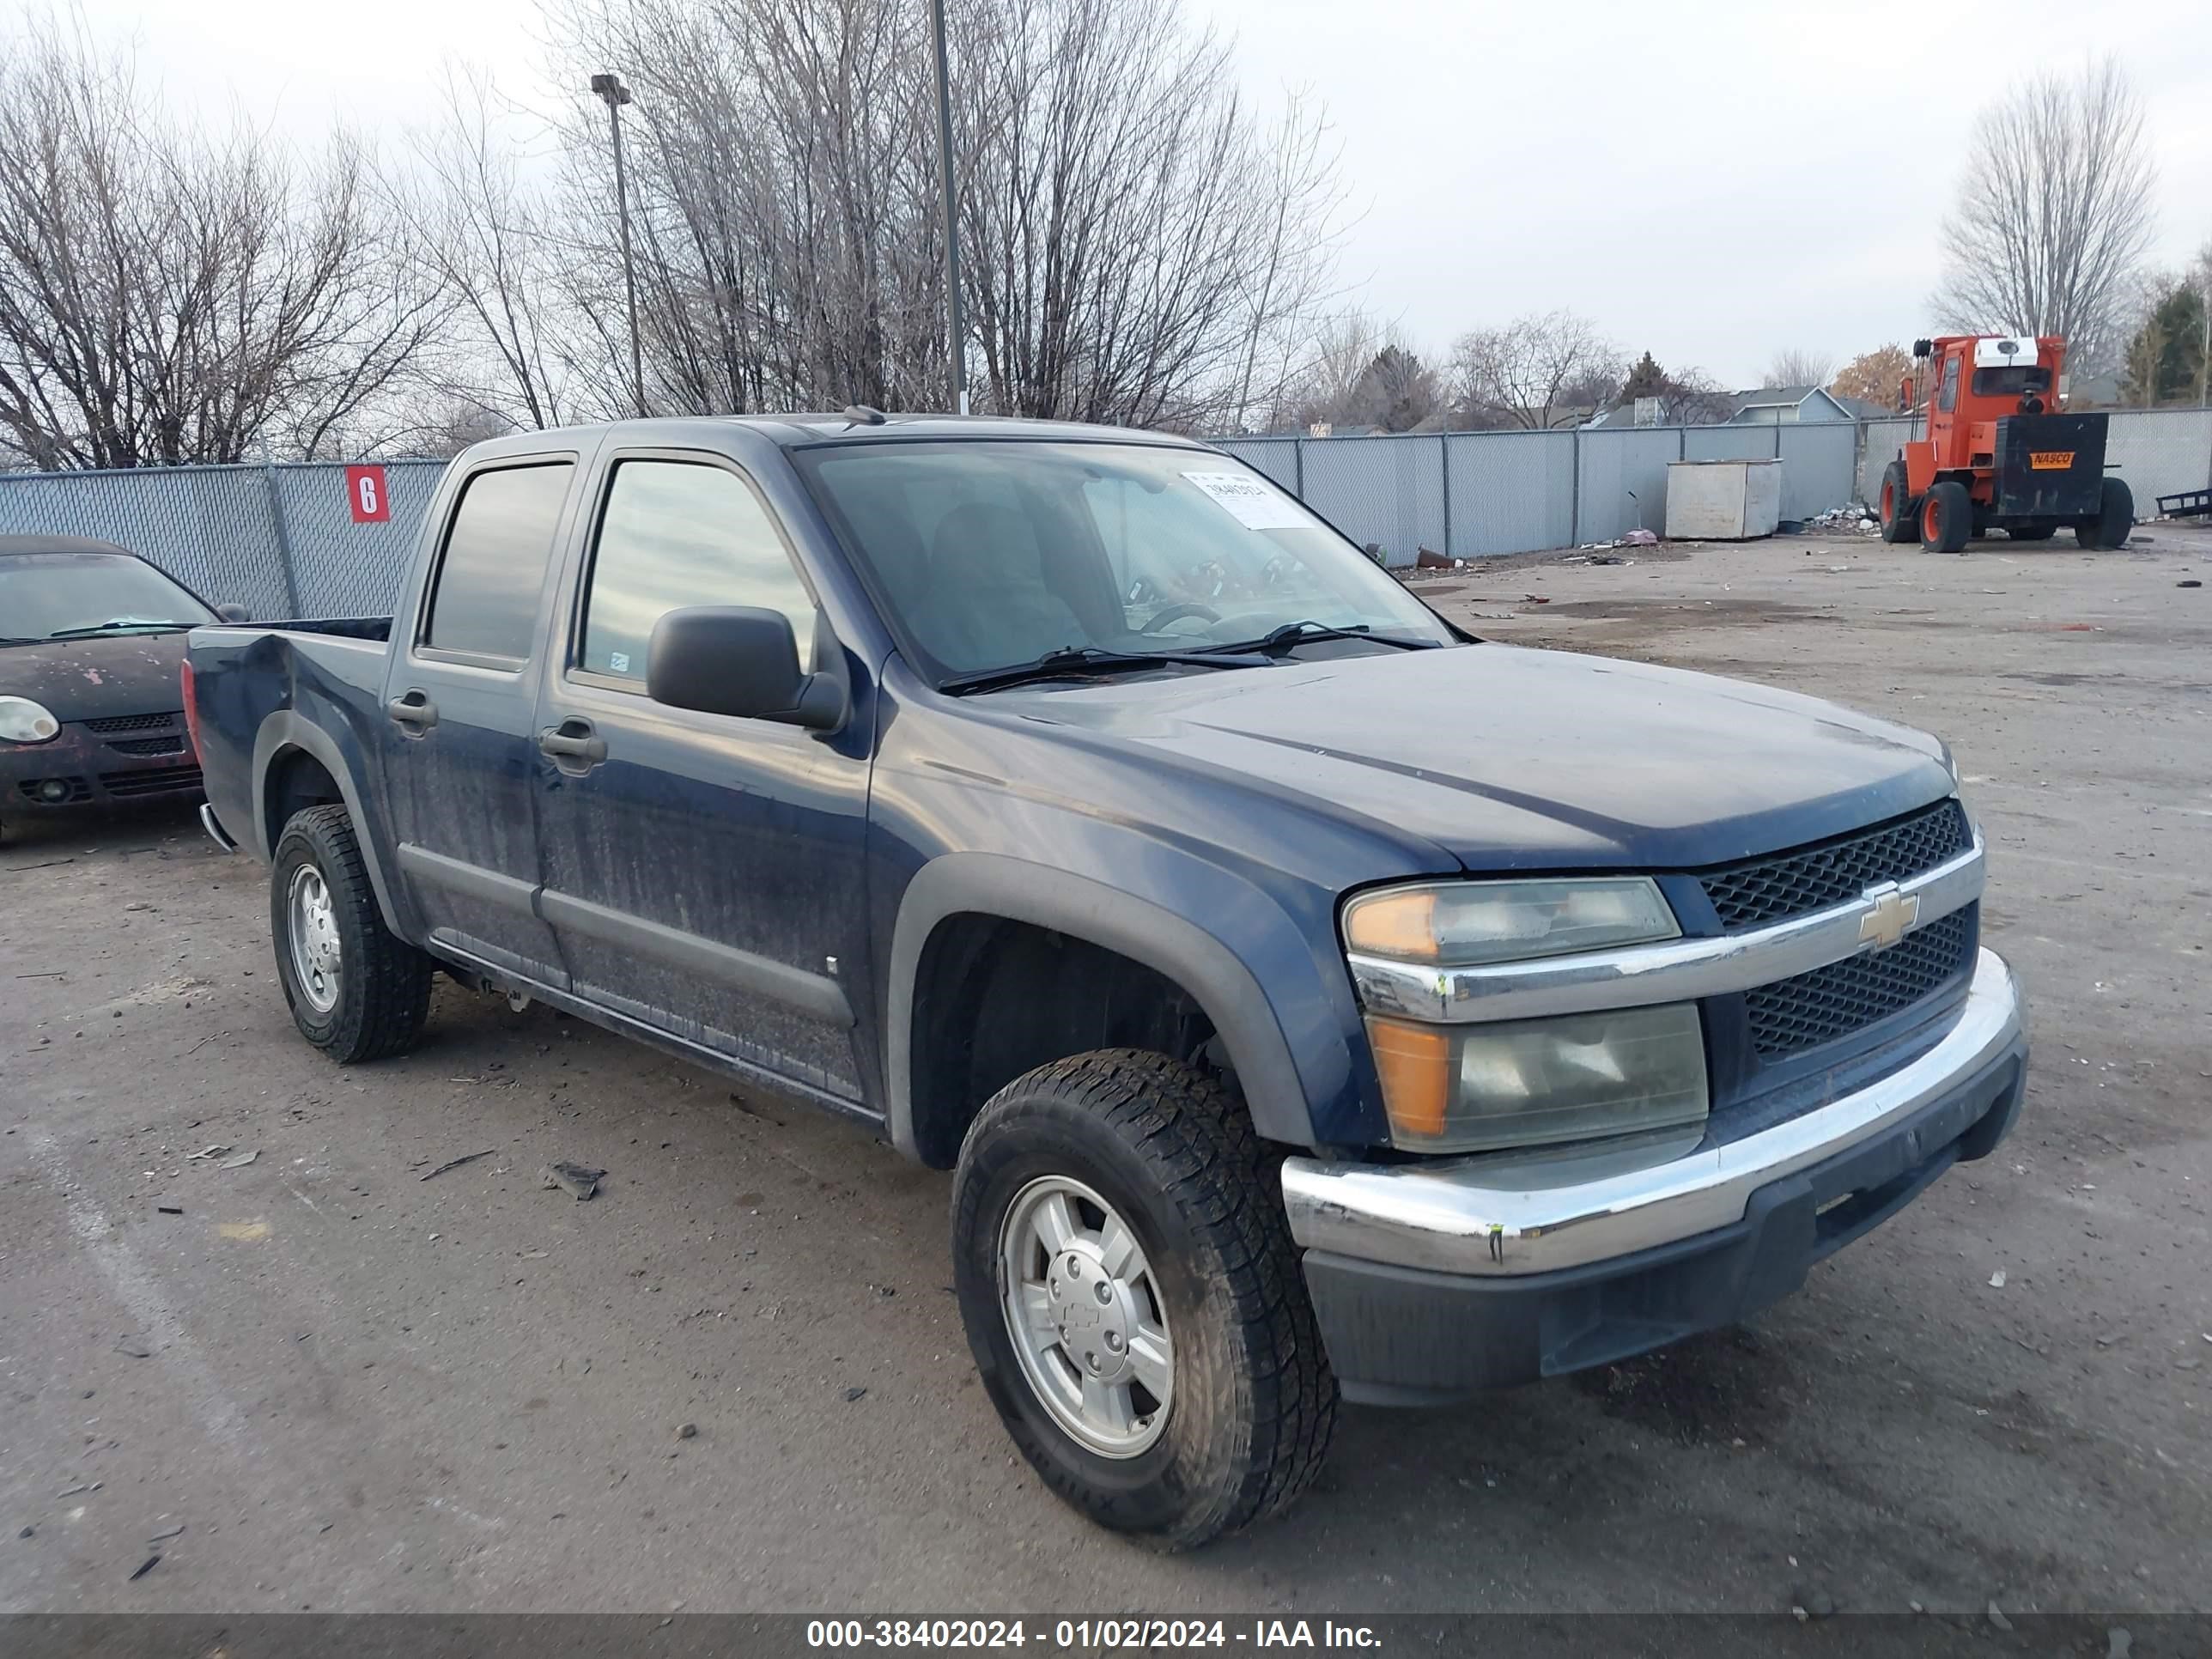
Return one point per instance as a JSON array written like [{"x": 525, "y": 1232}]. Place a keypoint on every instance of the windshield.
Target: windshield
[
  {"x": 989, "y": 555},
  {"x": 45, "y": 594}
]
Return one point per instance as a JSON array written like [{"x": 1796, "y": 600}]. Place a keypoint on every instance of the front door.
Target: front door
[
  {"x": 459, "y": 714},
  {"x": 702, "y": 873}
]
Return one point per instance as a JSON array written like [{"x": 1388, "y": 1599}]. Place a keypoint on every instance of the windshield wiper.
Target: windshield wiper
[
  {"x": 116, "y": 625},
  {"x": 1277, "y": 640},
  {"x": 1088, "y": 661}
]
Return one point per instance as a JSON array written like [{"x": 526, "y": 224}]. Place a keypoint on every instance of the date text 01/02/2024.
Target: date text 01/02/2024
[{"x": 1088, "y": 1634}]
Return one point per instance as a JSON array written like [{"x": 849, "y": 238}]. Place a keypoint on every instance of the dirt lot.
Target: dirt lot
[{"x": 356, "y": 1388}]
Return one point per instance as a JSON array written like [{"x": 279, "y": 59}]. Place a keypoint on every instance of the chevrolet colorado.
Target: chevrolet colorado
[{"x": 1312, "y": 1001}]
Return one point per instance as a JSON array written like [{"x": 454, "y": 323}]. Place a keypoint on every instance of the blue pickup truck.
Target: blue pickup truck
[{"x": 1312, "y": 1001}]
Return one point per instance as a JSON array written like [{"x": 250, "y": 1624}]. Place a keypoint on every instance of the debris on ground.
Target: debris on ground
[
  {"x": 1638, "y": 539},
  {"x": 2191, "y": 582},
  {"x": 1427, "y": 558},
  {"x": 456, "y": 1163},
  {"x": 1848, "y": 520},
  {"x": 688, "y": 1432},
  {"x": 1997, "y": 1279},
  {"x": 1997, "y": 1618},
  {"x": 135, "y": 1347},
  {"x": 1607, "y": 558},
  {"x": 1808, "y": 1603},
  {"x": 168, "y": 1209},
  {"x": 28, "y": 1532},
  {"x": 167, "y": 1533},
  {"x": 79, "y": 1490},
  {"x": 145, "y": 1567},
  {"x": 576, "y": 1180},
  {"x": 207, "y": 1152},
  {"x": 1537, "y": 598},
  {"x": 851, "y": 1394},
  {"x": 2118, "y": 1641},
  {"x": 240, "y": 1161}
]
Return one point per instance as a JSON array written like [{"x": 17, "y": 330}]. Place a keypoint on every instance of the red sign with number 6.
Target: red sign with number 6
[{"x": 365, "y": 495}]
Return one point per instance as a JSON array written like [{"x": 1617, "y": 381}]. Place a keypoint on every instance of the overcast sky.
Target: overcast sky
[{"x": 1710, "y": 181}]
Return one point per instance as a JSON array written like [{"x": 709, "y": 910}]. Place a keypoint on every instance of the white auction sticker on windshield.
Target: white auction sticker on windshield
[{"x": 1250, "y": 501}]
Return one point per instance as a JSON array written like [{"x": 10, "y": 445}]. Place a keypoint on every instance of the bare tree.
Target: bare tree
[
  {"x": 1540, "y": 371},
  {"x": 1800, "y": 367},
  {"x": 165, "y": 296},
  {"x": 2054, "y": 212}
]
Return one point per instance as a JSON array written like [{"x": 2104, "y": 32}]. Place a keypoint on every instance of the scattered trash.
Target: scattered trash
[
  {"x": 688, "y": 1432},
  {"x": 241, "y": 1161},
  {"x": 851, "y": 1394},
  {"x": 206, "y": 1151},
  {"x": 28, "y": 1532},
  {"x": 169, "y": 1209},
  {"x": 145, "y": 1567},
  {"x": 1851, "y": 520},
  {"x": 1639, "y": 537},
  {"x": 1996, "y": 1279},
  {"x": 1604, "y": 558},
  {"x": 1997, "y": 1618},
  {"x": 1429, "y": 559},
  {"x": 2191, "y": 582},
  {"x": 2118, "y": 1641},
  {"x": 456, "y": 1163},
  {"x": 166, "y": 1533},
  {"x": 136, "y": 1346},
  {"x": 1807, "y": 1603},
  {"x": 574, "y": 1179},
  {"x": 244, "y": 1232},
  {"x": 79, "y": 1490},
  {"x": 1537, "y": 598}
]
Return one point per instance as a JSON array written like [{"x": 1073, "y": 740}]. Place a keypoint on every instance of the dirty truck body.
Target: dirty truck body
[
  {"x": 1310, "y": 999},
  {"x": 1996, "y": 453}
]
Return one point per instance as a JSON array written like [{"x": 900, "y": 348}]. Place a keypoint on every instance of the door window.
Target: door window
[
  {"x": 678, "y": 533},
  {"x": 1947, "y": 399},
  {"x": 485, "y": 603}
]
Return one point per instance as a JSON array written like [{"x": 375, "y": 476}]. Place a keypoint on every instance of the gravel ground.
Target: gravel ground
[{"x": 355, "y": 1388}]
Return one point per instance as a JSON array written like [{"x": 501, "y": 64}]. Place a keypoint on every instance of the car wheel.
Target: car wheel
[
  {"x": 2115, "y": 520},
  {"x": 356, "y": 991},
  {"x": 1894, "y": 508},
  {"x": 1946, "y": 517},
  {"x": 1133, "y": 1299}
]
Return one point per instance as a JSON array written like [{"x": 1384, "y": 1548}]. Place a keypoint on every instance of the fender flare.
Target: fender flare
[
  {"x": 287, "y": 728},
  {"x": 1015, "y": 889}
]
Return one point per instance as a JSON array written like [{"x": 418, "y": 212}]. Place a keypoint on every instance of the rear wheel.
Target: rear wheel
[
  {"x": 1134, "y": 1300},
  {"x": 358, "y": 991},
  {"x": 2114, "y": 518},
  {"x": 1947, "y": 518},
  {"x": 1895, "y": 506}
]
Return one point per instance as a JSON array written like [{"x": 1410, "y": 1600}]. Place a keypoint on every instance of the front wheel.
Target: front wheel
[
  {"x": 1134, "y": 1300},
  {"x": 358, "y": 991},
  {"x": 1947, "y": 518}
]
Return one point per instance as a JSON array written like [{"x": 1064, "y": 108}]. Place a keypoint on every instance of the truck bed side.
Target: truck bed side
[{"x": 283, "y": 714}]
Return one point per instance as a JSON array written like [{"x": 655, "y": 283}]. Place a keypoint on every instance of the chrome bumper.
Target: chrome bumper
[
  {"x": 1513, "y": 1213},
  {"x": 217, "y": 833}
]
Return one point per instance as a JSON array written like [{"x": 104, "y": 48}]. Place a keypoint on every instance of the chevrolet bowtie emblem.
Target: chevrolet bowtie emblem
[{"x": 1892, "y": 916}]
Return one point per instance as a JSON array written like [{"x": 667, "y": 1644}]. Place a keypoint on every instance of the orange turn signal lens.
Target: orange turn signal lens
[
  {"x": 1414, "y": 1064},
  {"x": 1402, "y": 926}
]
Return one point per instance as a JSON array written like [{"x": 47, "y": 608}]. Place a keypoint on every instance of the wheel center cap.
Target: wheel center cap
[{"x": 1092, "y": 1313}]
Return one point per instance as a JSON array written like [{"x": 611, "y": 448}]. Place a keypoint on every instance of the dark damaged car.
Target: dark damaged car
[
  {"x": 92, "y": 643},
  {"x": 1312, "y": 1001}
]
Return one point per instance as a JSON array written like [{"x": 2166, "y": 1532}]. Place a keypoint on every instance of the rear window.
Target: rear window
[
  {"x": 2011, "y": 380},
  {"x": 485, "y": 604}
]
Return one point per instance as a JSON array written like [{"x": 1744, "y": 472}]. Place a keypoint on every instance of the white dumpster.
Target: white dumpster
[{"x": 1722, "y": 500}]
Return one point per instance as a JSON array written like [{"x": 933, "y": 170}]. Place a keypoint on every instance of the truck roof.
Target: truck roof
[{"x": 800, "y": 431}]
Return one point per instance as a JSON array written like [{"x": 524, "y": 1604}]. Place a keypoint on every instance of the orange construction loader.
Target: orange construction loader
[{"x": 1996, "y": 454}]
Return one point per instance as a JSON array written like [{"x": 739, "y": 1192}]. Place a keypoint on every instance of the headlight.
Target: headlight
[
  {"x": 1464, "y": 923},
  {"x": 22, "y": 720},
  {"x": 1525, "y": 1083},
  {"x": 1483, "y": 1086}
]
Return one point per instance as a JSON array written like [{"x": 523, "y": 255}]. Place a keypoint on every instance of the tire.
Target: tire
[
  {"x": 2115, "y": 520},
  {"x": 373, "y": 1001},
  {"x": 2032, "y": 532},
  {"x": 1946, "y": 517},
  {"x": 1161, "y": 1148},
  {"x": 1895, "y": 509}
]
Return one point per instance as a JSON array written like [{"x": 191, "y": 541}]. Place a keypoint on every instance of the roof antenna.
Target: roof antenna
[{"x": 864, "y": 414}]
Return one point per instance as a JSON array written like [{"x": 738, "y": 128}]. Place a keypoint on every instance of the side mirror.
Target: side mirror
[
  {"x": 743, "y": 661},
  {"x": 233, "y": 613}
]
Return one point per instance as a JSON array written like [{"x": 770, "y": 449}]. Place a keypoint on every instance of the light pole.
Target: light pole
[
  {"x": 614, "y": 95},
  {"x": 958, "y": 340}
]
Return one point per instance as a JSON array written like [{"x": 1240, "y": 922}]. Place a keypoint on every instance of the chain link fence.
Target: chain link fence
[{"x": 282, "y": 542}]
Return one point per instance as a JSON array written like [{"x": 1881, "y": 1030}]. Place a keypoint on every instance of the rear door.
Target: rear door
[
  {"x": 460, "y": 707},
  {"x": 703, "y": 873}
]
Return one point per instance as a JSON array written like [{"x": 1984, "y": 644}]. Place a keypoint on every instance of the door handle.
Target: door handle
[
  {"x": 573, "y": 740},
  {"x": 414, "y": 709}
]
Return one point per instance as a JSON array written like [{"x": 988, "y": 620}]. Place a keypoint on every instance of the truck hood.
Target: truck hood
[
  {"x": 1507, "y": 757},
  {"x": 94, "y": 680}
]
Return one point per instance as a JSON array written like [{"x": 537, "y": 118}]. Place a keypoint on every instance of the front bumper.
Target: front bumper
[
  {"x": 1433, "y": 1281},
  {"x": 144, "y": 757}
]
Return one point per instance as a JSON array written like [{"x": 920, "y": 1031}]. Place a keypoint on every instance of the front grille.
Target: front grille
[
  {"x": 1845, "y": 996},
  {"x": 161, "y": 780},
  {"x": 172, "y": 745},
  {"x": 112, "y": 723},
  {"x": 1761, "y": 891}
]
